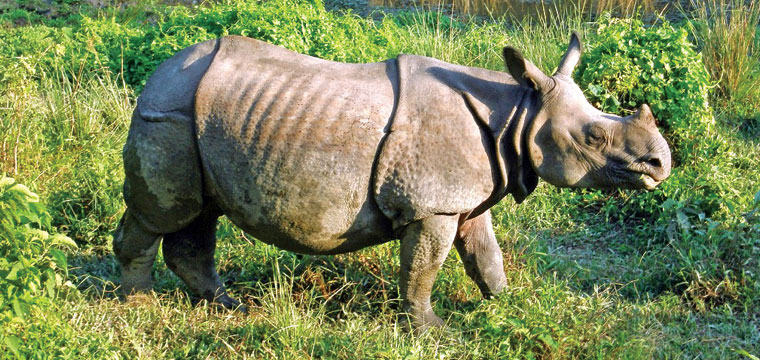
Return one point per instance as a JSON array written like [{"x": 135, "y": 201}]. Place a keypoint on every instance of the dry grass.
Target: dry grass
[{"x": 726, "y": 33}]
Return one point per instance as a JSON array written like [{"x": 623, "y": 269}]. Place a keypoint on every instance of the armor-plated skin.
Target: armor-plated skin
[
  {"x": 321, "y": 157},
  {"x": 285, "y": 124}
]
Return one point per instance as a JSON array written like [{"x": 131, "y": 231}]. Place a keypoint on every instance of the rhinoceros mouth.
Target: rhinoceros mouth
[
  {"x": 634, "y": 178},
  {"x": 649, "y": 182},
  {"x": 643, "y": 180}
]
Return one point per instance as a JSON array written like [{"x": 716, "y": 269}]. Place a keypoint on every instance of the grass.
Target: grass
[
  {"x": 522, "y": 9},
  {"x": 591, "y": 274},
  {"x": 68, "y": 128},
  {"x": 726, "y": 31}
]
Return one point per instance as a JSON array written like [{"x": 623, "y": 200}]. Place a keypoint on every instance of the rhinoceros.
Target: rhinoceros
[{"x": 321, "y": 157}]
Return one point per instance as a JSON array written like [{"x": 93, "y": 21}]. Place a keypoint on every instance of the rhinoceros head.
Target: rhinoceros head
[{"x": 572, "y": 144}]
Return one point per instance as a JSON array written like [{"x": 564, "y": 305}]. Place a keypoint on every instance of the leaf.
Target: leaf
[
  {"x": 13, "y": 274},
  {"x": 17, "y": 308},
  {"x": 6, "y": 181},
  {"x": 548, "y": 341},
  {"x": 746, "y": 354},
  {"x": 683, "y": 220},
  {"x": 59, "y": 258},
  {"x": 516, "y": 323},
  {"x": 31, "y": 197},
  {"x": 13, "y": 343},
  {"x": 50, "y": 286},
  {"x": 60, "y": 239}
]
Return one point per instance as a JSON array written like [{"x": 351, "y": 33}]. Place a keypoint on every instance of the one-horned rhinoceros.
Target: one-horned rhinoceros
[{"x": 320, "y": 157}]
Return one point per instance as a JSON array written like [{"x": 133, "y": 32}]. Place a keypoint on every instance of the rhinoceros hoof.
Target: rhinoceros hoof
[
  {"x": 135, "y": 284},
  {"x": 419, "y": 324},
  {"x": 230, "y": 304}
]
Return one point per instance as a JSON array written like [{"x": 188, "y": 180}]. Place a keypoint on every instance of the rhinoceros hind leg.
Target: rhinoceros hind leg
[
  {"x": 481, "y": 255},
  {"x": 425, "y": 244},
  {"x": 135, "y": 248},
  {"x": 189, "y": 253}
]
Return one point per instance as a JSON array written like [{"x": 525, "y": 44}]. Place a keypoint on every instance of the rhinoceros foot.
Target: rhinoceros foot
[
  {"x": 420, "y": 322},
  {"x": 230, "y": 303}
]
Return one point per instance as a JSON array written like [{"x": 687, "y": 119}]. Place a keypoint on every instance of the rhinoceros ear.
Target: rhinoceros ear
[
  {"x": 572, "y": 56},
  {"x": 524, "y": 71}
]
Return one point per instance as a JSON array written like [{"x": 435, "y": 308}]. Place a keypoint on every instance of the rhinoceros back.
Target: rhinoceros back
[{"x": 287, "y": 143}]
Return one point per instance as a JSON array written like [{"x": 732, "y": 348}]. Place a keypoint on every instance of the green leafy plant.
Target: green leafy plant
[
  {"x": 135, "y": 50},
  {"x": 31, "y": 265},
  {"x": 32, "y": 268},
  {"x": 627, "y": 64}
]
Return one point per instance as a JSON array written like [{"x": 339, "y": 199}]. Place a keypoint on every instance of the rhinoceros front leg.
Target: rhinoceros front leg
[
  {"x": 481, "y": 254},
  {"x": 189, "y": 253},
  {"x": 424, "y": 246}
]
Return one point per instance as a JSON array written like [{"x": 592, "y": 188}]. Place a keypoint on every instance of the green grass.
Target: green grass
[{"x": 592, "y": 274}]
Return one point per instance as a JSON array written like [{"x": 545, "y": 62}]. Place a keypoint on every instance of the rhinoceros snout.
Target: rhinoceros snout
[{"x": 657, "y": 167}]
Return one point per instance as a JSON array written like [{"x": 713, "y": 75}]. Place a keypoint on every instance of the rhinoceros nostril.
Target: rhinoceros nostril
[{"x": 653, "y": 162}]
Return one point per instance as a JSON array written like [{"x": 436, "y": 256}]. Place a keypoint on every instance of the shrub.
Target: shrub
[
  {"x": 31, "y": 267},
  {"x": 134, "y": 49},
  {"x": 30, "y": 52},
  {"x": 627, "y": 65}
]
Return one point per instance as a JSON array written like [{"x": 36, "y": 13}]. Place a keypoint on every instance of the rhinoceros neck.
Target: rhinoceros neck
[
  {"x": 512, "y": 171},
  {"x": 521, "y": 177}
]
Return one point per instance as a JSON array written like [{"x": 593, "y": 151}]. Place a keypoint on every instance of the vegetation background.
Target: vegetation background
[{"x": 670, "y": 273}]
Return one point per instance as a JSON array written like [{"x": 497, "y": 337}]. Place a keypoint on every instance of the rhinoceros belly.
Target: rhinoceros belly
[{"x": 288, "y": 142}]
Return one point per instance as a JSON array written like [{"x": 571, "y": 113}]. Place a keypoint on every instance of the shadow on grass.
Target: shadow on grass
[
  {"x": 749, "y": 129},
  {"x": 604, "y": 256},
  {"x": 339, "y": 283}
]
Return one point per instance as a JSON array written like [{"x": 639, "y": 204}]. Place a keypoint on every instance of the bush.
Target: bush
[
  {"x": 31, "y": 268},
  {"x": 302, "y": 26},
  {"x": 30, "y": 52},
  {"x": 627, "y": 64},
  {"x": 30, "y": 265}
]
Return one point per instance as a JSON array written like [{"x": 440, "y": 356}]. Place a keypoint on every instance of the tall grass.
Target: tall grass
[
  {"x": 726, "y": 33},
  {"x": 542, "y": 39},
  {"x": 59, "y": 128},
  {"x": 520, "y": 10}
]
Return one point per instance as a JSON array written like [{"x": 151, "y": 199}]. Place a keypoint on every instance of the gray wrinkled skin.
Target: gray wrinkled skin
[{"x": 321, "y": 157}]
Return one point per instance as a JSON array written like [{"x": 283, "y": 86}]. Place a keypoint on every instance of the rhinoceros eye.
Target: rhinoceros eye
[{"x": 595, "y": 136}]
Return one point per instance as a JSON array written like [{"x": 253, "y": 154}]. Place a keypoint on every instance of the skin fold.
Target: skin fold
[{"x": 320, "y": 157}]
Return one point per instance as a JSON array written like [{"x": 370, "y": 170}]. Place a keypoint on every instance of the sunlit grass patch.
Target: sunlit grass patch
[{"x": 726, "y": 32}]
